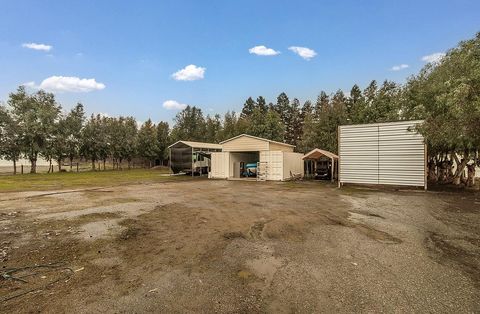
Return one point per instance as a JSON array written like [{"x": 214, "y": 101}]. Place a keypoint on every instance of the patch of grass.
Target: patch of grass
[{"x": 68, "y": 180}]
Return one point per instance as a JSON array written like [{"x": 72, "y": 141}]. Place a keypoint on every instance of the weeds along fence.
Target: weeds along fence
[{"x": 80, "y": 166}]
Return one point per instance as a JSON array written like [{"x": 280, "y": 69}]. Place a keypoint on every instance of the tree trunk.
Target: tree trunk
[
  {"x": 93, "y": 164},
  {"x": 14, "y": 167},
  {"x": 442, "y": 172},
  {"x": 59, "y": 165},
  {"x": 120, "y": 163},
  {"x": 104, "y": 161},
  {"x": 432, "y": 171},
  {"x": 33, "y": 162},
  {"x": 71, "y": 162},
  {"x": 449, "y": 170},
  {"x": 471, "y": 175},
  {"x": 49, "y": 165},
  {"x": 457, "y": 178}
]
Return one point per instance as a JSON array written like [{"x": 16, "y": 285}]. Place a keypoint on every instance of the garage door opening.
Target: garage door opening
[{"x": 243, "y": 165}]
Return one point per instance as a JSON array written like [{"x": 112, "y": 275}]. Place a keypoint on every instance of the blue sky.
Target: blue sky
[{"x": 131, "y": 49}]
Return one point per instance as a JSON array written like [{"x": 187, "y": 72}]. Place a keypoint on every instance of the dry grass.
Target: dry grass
[{"x": 65, "y": 180}]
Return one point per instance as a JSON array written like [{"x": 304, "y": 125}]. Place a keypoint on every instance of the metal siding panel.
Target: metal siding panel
[
  {"x": 220, "y": 165},
  {"x": 279, "y": 147},
  {"x": 382, "y": 153},
  {"x": 245, "y": 144},
  {"x": 401, "y": 155},
  {"x": 359, "y": 154},
  {"x": 292, "y": 162},
  {"x": 274, "y": 160}
]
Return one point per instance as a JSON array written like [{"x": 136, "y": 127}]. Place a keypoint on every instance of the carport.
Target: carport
[
  {"x": 317, "y": 155},
  {"x": 192, "y": 157}
]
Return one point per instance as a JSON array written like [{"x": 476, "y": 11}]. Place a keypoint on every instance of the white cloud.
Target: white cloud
[
  {"x": 434, "y": 57},
  {"x": 35, "y": 46},
  {"x": 189, "y": 73},
  {"x": 263, "y": 51},
  {"x": 400, "y": 67},
  {"x": 30, "y": 84},
  {"x": 304, "y": 52},
  {"x": 67, "y": 84},
  {"x": 173, "y": 105}
]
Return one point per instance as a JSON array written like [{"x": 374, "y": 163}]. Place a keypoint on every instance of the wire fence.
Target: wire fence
[{"x": 80, "y": 166}]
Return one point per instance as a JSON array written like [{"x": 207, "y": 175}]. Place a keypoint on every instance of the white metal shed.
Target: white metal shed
[
  {"x": 390, "y": 153},
  {"x": 276, "y": 161}
]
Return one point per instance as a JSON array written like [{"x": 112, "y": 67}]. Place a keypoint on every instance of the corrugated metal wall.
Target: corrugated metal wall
[
  {"x": 382, "y": 153},
  {"x": 274, "y": 164},
  {"x": 220, "y": 165},
  {"x": 279, "y": 147},
  {"x": 292, "y": 162},
  {"x": 245, "y": 144}
]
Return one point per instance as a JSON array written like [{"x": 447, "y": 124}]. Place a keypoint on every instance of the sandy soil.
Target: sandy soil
[{"x": 229, "y": 246}]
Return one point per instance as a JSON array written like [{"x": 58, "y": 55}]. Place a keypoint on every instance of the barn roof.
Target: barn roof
[
  {"x": 198, "y": 144},
  {"x": 258, "y": 138},
  {"x": 317, "y": 153}
]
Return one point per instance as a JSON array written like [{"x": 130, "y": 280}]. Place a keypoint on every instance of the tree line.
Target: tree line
[
  {"x": 33, "y": 126},
  {"x": 446, "y": 94}
]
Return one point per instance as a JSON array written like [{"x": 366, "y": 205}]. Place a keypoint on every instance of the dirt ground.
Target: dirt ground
[{"x": 229, "y": 247}]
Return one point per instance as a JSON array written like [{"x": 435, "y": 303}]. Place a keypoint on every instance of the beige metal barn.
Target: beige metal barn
[
  {"x": 382, "y": 153},
  {"x": 274, "y": 161}
]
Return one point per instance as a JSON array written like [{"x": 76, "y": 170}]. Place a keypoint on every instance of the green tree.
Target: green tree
[
  {"x": 282, "y": 107},
  {"x": 387, "y": 103},
  {"x": 10, "y": 138},
  {"x": 147, "y": 142},
  {"x": 232, "y": 126},
  {"x": 293, "y": 123},
  {"x": 307, "y": 109},
  {"x": 213, "y": 127},
  {"x": 130, "y": 134},
  {"x": 163, "y": 141},
  {"x": 114, "y": 133},
  {"x": 65, "y": 138},
  {"x": 189, "y": 125},
  {"x": 267, "y": 125},
  {"x": 310, "y": 132},
  {"x": 248, "y": 108},
  {"x": 91, "y": 139},
  {"x": 355, "y": 105},
  {"x": 322, "y": 104},
  {"x": 370, "y": 110},
  {"x": 447, "y": 95},
  {"x": 36, "y": 115},
  {"x": 72, "y": 132},
  {"x": 262, "y": 104},
  {"x": 104, "y": 140}
]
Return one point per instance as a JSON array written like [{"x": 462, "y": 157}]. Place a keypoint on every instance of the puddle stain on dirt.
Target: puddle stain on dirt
[{"x": 464, "y": 252}]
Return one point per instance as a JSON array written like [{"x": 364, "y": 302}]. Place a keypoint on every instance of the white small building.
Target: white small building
[{"x": 247, "y": 157}]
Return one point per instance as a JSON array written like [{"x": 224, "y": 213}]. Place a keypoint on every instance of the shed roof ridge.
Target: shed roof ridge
[
  {"x": 256, "y": 137},
  {"x": 193, "y": 143}
]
